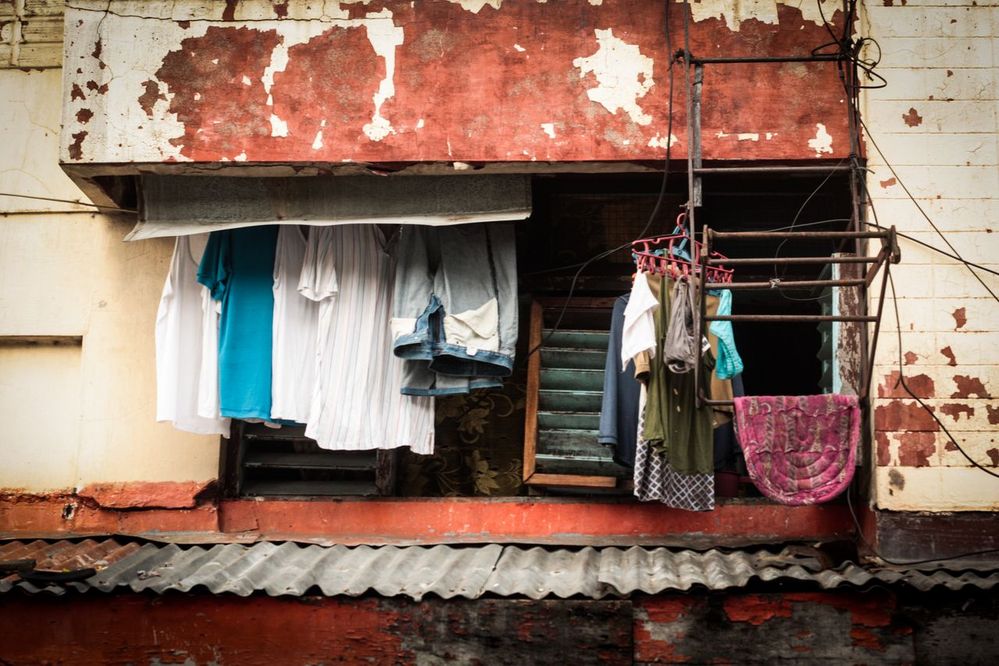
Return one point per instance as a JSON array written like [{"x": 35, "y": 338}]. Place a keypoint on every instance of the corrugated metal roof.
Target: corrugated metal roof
[{"x": 414, "y": 571}]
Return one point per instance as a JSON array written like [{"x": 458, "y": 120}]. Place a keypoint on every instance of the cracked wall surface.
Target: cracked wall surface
[
  {"x": 348, "y": 81},
  {"x": 31, "y": 34}
]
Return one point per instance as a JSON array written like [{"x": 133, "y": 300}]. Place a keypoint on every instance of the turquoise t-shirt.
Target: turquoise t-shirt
[{"x": 238, "y": 269}]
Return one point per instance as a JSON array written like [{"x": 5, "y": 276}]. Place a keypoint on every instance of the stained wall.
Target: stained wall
[
  {"x": 936, "y": 124},
  {"x": 77, "y": 308},
  {"x": 442, "y": 81},
  {"x": 469, "y": 82}
]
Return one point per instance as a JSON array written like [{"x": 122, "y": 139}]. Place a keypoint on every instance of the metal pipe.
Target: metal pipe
[
  {"x": 776, "y": 168},
  {"x": 785, "y": 317},
  {"x": 869, "y": 364},
  {"x": 702, "y": 311},
  {"x": 733, "y": 60},
  {"x": 718, "y": 403},
  {"x": 762, "y": 235},
  {"x": 748, "y": 261},
  {"x": 785, "y": 284}
]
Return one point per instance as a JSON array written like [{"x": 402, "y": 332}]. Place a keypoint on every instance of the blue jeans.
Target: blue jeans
[{"x": 454, "y": 313}]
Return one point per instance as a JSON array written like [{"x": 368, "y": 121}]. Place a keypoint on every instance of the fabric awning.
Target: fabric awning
[{"x": 183, "y": 205}]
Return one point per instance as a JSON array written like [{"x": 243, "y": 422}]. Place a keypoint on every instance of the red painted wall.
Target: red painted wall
[
  {"x": 870, "y": 627},
  {"x": 471, "y": 87}
]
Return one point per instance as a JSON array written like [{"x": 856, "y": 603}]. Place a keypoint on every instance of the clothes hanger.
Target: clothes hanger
[{"x": 668, "y": 256}]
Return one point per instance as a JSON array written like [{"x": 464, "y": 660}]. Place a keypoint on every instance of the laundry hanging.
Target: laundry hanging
[
  {"x": 619, "y": 409},
  {"x": 679, "y": 444},
  {"x": 656, "y": 481},
  {"x": 295, "y": 331},
  {"x": 455, "y": 311},
  {"x": 799, "y": 449},
  {"x": 180, "y": 323},
  {"x": 358, "y": 403},
  {"x": 238, "y": 269}
]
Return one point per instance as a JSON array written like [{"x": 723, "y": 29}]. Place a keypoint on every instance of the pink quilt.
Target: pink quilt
[{"x": 799, "y": 449}]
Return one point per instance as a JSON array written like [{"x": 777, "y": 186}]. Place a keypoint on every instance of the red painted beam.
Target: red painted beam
[
  {"x": 568, "y": 522},
  {"x": 431, "y": 521}
]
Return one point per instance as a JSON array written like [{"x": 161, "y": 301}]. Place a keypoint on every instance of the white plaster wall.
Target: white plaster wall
[
  {"x": 82, "y": 414},
  {"x": 937, "y": 125},
  {"x": 40, "y": 412}
]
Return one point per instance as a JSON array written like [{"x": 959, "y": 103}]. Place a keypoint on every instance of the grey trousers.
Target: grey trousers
[{"x": 454, "y": 315}]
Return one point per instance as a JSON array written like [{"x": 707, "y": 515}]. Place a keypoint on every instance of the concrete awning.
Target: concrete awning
[{"x": 183, "y": 205}]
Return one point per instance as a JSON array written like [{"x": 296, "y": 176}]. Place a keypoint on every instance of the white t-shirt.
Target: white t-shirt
[
  {"x": 179, "y": 325},
  {"x": 639, "y": 331},
  {"x": 208, "y": 384},
  {"x": 357, "y": 403},
  {"x": 295, "y": 327}
]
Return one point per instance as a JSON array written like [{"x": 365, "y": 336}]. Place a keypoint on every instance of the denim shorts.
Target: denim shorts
[{"x": 454, "y": 313}]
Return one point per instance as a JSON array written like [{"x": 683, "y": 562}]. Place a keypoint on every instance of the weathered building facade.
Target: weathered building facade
[{"x": 470, "y": 88}]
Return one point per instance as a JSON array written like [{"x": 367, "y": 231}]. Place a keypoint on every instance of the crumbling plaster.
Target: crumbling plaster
[{"x": 466, "y": 81}]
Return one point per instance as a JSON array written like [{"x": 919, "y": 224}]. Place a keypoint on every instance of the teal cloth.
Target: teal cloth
[
  {"x": 729, "y": 363},
  {"x": 238, "y": 269}
]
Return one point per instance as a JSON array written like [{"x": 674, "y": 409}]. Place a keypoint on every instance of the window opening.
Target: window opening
[
  {"x": 481, "y": 437},
  {"x": 789, "y": 347}
]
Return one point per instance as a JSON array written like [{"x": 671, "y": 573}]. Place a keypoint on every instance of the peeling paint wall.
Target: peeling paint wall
[
  {"x": 349, "y": 81},
  {"x": 79, "y": 412},
  {"x": 937, "y": 125}
]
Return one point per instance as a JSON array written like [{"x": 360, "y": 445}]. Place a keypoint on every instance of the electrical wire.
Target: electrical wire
[
  {"x": 797, "y": 215},
  {"x": 655, "y": 210},
  {"x": 851, "y": 50},
  {"x": 867, "y": 66},
  {"x": 870, "y": 546},
  {"x": 69, "y": 201},
  {"x": 888, "y": 276},
  {"x": 984, "y": 269},
  {"x": 901, "y": 381},
  {"x": 894, "y": 173}
]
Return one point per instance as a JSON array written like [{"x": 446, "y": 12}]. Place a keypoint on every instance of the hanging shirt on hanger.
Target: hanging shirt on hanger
[
  {"x": 619, "y": 406},
  {"x": 178, "y": 347},
  {"x": 295, "y": 329},
  {"x": 358, "y": 403},
  {"x": 638, "y": 334},
  {"x": 208, "y": 382},
  {"x": 729, "y": 361},
  {"x": 238, "y": 268},
  {"x": 673, "y": 421}
]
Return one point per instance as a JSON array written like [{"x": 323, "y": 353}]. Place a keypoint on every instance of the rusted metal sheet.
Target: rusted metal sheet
[
  {"x": 463, "y": 83},
  {"x": 289, "y": 569}
]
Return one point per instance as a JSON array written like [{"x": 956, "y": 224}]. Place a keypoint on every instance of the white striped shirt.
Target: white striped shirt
[
  {"x": 357, "y": 403},
  {"x": 295, "y": 329}
]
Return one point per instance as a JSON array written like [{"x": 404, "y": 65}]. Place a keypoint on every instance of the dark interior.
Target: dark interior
[{"x": 579, "y": 216}]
